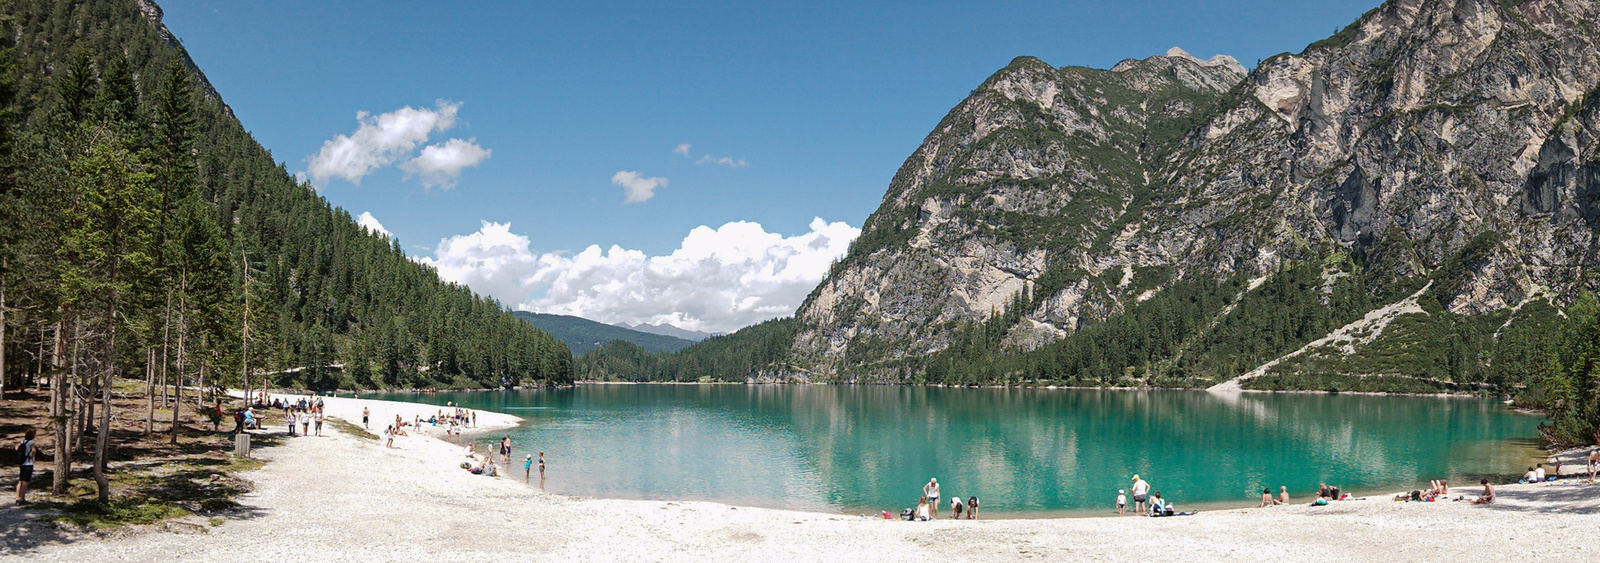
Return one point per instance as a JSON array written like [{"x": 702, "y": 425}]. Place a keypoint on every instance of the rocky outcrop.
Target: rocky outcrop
[{"x": 1424, "y": 125}]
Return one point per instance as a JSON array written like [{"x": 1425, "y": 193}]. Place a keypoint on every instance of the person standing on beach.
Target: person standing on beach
[
  {"x": 25, "y": 462},
  {"x": 1594, "y": 463},
  {"x": 289, "y": 416},
  {"x": 541, "y": 466},
  {"x": 931, "y": 490},
  {"x": 319, "y": 422},
  {"x": 505, "y": 449},
  {"x": 1141, "y": 490},
  {"x": 1122, "y": 501},
  {"x": 364, "y": 414}
]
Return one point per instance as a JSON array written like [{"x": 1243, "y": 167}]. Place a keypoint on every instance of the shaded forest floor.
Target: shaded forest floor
[{"x": 190, "y": 483}]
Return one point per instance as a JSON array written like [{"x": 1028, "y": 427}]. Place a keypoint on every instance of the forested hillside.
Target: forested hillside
[
  {"x": 582, "y": 335},
  {"x": 147, "y": 235}
]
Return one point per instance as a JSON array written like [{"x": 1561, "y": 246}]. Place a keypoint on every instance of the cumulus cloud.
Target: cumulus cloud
[
  {"x": 717, "y": 280},
  {"x": 729, "y": 162},
  {"x": 637, "y": 188},
  {"x": 439, "y": 165},
  {"x": 370, "y": 223},
  {"x": 379, "y": 141}
]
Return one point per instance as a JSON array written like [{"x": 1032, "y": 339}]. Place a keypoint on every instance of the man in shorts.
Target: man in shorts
[
  {"x": 1141, "y": 491},
  {"x": 26, "y": 473},
  {"x": 364, "y": 414}
]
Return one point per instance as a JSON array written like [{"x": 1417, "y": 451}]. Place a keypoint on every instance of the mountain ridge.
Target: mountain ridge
[
  {"x": 583, "y": 335},
  {"x": 1171, "y": 222}
]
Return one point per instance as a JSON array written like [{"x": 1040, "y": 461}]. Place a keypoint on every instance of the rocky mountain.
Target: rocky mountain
[{"x": 1438, "y": 151}]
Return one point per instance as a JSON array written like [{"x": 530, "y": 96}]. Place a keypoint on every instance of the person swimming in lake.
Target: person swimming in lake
[{"x": 1488, "y": 494}]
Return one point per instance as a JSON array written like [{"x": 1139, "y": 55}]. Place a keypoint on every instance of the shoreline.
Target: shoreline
[
  {"x": 499, "y": 421},
  {"x": 338, "y": 392},
  {"x": 347, "y": 497}
]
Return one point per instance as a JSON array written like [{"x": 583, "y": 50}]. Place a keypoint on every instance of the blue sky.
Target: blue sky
[{"x": 820, "y": 101}]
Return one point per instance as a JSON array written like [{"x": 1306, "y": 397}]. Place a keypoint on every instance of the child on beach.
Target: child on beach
[
  {"x": 1122, "y": 501},
  {"x": 527, "y": 469},
  {"x": 956, "y": 507}
]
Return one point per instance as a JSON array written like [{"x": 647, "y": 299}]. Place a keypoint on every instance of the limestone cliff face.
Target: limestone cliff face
[{"x": 1423, "y": 125}]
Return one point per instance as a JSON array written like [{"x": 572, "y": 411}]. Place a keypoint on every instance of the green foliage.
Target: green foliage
[
  {"x": 617, "y": 360},
  {"x": 139, "y": 189},
  {"x": 752, "y": 352},
  {"x": 1570, "y": 385}
]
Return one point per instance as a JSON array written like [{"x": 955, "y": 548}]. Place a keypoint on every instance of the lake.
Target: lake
[{"x": 1024, "y": 452}]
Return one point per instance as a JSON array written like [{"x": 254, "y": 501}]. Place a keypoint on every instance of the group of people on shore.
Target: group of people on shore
[
  {"x": 928, "y": 505},
  {"x": 1142, "y": 496},
  {"x": 307, "y": 413},
  {"x": 486, "y": 465}
]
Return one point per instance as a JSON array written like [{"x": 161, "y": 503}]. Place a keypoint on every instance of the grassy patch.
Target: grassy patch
[
  {"x": 351, "y": 429},
  {"x": 116, "y": 513}
]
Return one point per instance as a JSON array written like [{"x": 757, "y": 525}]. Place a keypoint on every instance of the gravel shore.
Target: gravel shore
[{"x": 345, "y": 498}]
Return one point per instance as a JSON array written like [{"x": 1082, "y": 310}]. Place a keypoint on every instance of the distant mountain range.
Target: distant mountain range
[
  {"x": 582, "y": 335},
  {"x": 665, "y": 329}
]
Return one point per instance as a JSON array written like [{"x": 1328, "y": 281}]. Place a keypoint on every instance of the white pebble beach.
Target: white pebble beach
[{"x": 343, "y": 498}]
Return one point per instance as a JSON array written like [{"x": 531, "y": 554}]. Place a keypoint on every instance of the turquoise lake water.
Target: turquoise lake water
[{"x": 1024, "y": 452}]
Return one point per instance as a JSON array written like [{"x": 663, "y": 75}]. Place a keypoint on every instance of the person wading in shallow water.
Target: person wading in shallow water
[
  {"x": 527, "y": 469},
  {"x": 1140, "y": 491}
]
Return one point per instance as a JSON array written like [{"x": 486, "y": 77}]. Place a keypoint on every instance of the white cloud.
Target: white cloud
[
  {"x": 439, "y": 165},
  {"x": 379, "y": 141},
  {"x": 636, "y": 188},
  {"x": 370, "y": 223},
  {"x": 729, "y": 162},
  {"x": 717, "y": 280}
]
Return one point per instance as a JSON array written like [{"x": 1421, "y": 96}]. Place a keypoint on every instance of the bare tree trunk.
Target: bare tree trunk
[
  {"x": 104, "y": 431},
  {"x": 64, "y": 420},
  {"x": 60, "y": 419},
  {"x": 200, "y": 382},
  {"x": 74, "y": 384},
  {"x": 38, "y": 370},
  {"x": 177, "y": 388},
  {"x": 166, "y": 329},
  {"x": 244, "y": 334},
  {"x": 150, "y": 391},
  {"x": 3, "y": 267}
]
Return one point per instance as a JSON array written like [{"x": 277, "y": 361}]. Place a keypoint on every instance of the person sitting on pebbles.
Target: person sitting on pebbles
[{"x": 1488, "y": 494}]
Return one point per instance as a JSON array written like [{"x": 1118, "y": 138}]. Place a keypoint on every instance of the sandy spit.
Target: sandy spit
[{"x": 343, "y": 498}]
